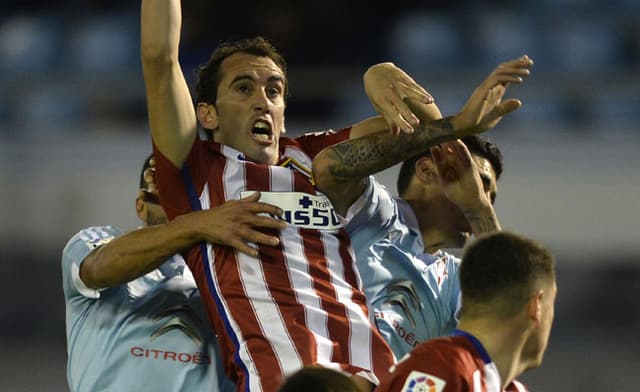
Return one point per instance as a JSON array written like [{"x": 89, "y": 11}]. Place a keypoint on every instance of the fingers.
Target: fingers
[
  {"x": 396, "y": 113},
  {"x": 255, "y": 196},
  {"x": 512, "y": 71}
]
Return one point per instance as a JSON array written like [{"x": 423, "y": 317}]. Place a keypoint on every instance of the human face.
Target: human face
[
  {"x": 490, "y": 189},
  {"x": 150, "y": 210},
  {"x": 250, "y": 106}
]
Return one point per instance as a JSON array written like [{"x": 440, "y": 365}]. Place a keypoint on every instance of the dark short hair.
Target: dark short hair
[
  {"x": 208, "y": 77},
  {"x": 477, "y": 145},
  {"x": 503, "y": 266},
  {"x": 318, "y": 379},
  {"x": 147, "y": 163}
]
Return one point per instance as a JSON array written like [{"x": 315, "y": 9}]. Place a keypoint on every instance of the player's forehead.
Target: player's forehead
[{"x": 259, "y": 68}]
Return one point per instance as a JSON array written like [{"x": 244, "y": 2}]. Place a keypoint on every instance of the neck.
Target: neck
[
  {"x": 504, "y": 342},
  {"x": 435, "y": 226}
]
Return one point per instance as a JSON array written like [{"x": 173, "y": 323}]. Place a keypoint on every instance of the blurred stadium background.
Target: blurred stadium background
[{"x": 73, "y": 133}]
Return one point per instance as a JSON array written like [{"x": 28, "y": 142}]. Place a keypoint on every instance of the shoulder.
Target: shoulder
[
  {"x": 449, "y": 354},
  {"x": 84, "y": 241},
  {"x": 74, "y": 253},
  {"x": 438, "y": 363}
]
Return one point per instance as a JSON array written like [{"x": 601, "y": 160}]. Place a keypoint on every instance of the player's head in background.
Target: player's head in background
[
  {"x": 318, "y": 379},
  {"x": 240, "y": 97},
  {"x": 419, "y": 183},
  {"x": 508, "y": 285},
  {"x": 147, "y": 202}
]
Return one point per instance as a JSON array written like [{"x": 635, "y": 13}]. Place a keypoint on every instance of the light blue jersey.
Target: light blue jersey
[
  {"x": 147, "y": 335},
  {"x": 414, "y": 296}
]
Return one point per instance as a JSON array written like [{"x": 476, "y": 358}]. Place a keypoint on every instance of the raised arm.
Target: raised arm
[
  {"x": 138, "y": 252},
  {"x": 340, "y": 170},
  {"x": 170, "y": 108}
]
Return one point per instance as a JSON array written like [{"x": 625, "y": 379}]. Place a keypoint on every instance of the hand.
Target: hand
[
  {"x": 387, "y": 87},
  {"x": 485, "y": 108},
  {"x": 459, "y": 177},
  {"x": 237, "y": 223}
]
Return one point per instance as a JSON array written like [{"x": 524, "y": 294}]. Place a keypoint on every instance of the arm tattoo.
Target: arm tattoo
[{"x": 358, "y": 158}]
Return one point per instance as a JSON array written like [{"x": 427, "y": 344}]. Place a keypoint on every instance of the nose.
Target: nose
[{"x": 261, "y": 101}]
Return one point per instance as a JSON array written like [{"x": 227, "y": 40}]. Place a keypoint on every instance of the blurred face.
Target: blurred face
[
  {"x": 250, "y": 106},
  {"x": 537, "y": 343},
  {"x": 490, "y": 187},
  {"x": 149, "y": 209}
]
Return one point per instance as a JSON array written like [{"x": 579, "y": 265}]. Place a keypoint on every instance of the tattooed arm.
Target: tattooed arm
[{"x": 340, "y": 171}]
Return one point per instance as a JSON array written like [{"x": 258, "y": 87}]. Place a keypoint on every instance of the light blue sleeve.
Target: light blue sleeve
[
  {"x": 74, "y": 253},
  {"x": 370, "y": 217}
]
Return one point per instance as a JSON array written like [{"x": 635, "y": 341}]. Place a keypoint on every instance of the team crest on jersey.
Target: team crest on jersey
[
  {"x": 293, "y": 164},
  {"x": 423, "y": 382}
]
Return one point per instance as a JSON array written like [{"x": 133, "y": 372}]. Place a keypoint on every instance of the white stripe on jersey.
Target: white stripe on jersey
[
  {"x": 492, "y": 377},
  {"x": 359, "y": 323},
  {"x": 477, "y": 381},
  {"x": 302, "y": 284},
  {"x": 242, "y": 351},
  {"x": 282, "y": 180},
  {"x": 267, "y": 312}
]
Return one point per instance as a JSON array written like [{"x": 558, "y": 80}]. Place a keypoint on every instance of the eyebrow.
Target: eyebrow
[{"x": 273, "y": 78}]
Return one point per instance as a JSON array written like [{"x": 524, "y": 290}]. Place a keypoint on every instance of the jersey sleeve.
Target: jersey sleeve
[
  {"x": 174, "y": 196},
  {"x": 313, "y": 143},
  {"x": 74, "y": 253},
  {"x": 371, "y": 216}
]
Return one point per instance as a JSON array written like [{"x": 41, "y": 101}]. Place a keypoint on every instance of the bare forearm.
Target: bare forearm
[
  {"x": 136, "y": 253},
  {"x": 358, "y": 158},
  {"x": 482, "y": 220}
]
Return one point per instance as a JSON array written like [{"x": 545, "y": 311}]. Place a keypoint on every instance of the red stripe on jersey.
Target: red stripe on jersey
[{"x": 293, "y": 304}]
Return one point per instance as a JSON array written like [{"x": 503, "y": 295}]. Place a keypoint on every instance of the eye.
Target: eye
[
  {"x": 244, "y": 89},
  {"x": 273, "y": 92}
]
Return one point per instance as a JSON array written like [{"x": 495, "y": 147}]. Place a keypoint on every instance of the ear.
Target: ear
[
  {"x": 207, "y": 115},
  {"x": 534, "y": 307},
  {"x": 141, "y": 206},
  {"x": 426, "y": 172}
]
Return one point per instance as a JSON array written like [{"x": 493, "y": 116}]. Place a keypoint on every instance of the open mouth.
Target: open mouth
[{"x": 262, "y": 132}]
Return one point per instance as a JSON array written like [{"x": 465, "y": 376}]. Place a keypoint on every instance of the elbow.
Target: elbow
[
  {"x": 321, "y": 173},
  {"x": 157, "y": 53}
]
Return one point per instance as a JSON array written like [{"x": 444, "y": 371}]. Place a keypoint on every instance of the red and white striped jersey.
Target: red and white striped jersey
[
  {"x": 447, "y": 364},
  {"x": 294, "y": 305}
]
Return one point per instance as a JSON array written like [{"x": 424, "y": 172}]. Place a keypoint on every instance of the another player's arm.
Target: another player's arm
[
  {"x": 339, "y": 170},
  {"x": 462, "y": 183},
  {"x": 170, "y": 108},
  {"x": 389, "y": 90},
  {"x": 138, "y": 252}
]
